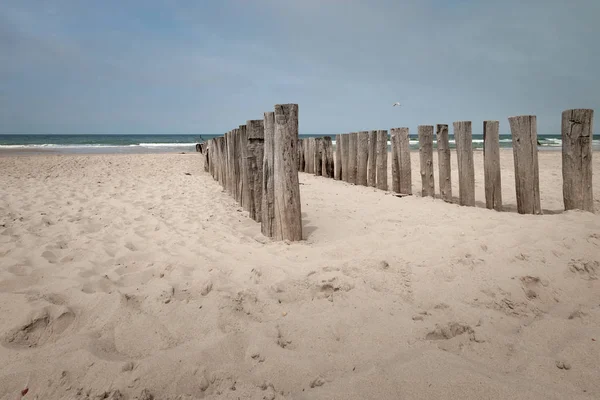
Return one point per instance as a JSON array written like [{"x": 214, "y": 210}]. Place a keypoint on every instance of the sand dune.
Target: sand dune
[{"x": 121, "y": 277}]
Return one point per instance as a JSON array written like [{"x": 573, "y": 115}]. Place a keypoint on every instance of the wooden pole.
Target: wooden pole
[
  {"x": 464, "y": 155},
  {"x": 255, "y": 135},
  {"x": 327, "y": 157},
  {"x": 394, "y": 138},
  {"x": 425, "y": 133},
  {"x": 523, "y": 129},
  {"x": 288, "y": 213},
  {"x": 381, "y": 177},
  {"x": 318, "y": 157},
  {"x": 301, "y": 155},
  {"x": 405, "y": 179},
  {"x": 310, "y": 157},
  {"x": 372, "y": 160},
  {"x": 445, "y": 167},
  {"x": 268, "y": 195},
  {"x": 247, "y": 200},
  {"x": 223, "y": 160},
  {"x": 491, "y": 165},
  {"x": 345, "y": 144},
  {"x": 228, "y": 151},
  {"x": 362, "y": 158},
  {"x": 577, "y": 131},
  {"x": 338, "y": 158},
  {"x": 352, "y": 157},
  {"x": 238, "y": 165}
]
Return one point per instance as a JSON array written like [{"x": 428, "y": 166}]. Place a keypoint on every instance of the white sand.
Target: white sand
[{"x": 122, "y": 277}]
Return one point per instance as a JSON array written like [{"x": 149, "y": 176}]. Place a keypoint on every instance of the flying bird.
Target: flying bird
[{"x": 396, "y": 104}]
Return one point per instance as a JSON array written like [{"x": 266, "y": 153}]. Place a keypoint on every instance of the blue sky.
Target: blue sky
[{"x": 170, "y": 66}]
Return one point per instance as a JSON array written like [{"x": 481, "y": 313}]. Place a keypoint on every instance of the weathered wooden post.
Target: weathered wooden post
[
  {"x": 205, "y": 155},
  {"x": 491, "y": 165},
  {"x": 405, "y": 169},
  {"x": 288, "y": 213},
  {"x": 310, "y": 157},
  {"x": 229, "y": 173},
  {"x": 425, "y": 133},
  {"x": 327, "y": 157},
  {"x": 223, "y": 160},
  {"x": 362, "y": 149},
  {"x": 305, "y": 154},
  {"x": 577, "y": 131},
  {"x": 301, "y": 155},
  {"x": 372, "y": 160},
  {"x": 338, "y": 158},
  {"x": 352, "y": 157},
  {"x": 395, "y": 160},
  {"x": 240, "y": 138},
  {"x": 445, "y": 167},
  {"x": 256, "y": 134},
  {"x": 345, "y": 144},
  {"x": 523, "y": 129},
  {"x": 268, "y": 195},
  {"x": 318, "y": 157},
  {"x": 381, "y": 177},
  {"x": 464, "y": 156}
]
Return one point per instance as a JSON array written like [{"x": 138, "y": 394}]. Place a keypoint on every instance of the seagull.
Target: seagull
[{"x": 396, "y": 104}]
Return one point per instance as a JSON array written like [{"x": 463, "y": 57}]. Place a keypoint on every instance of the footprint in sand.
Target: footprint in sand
[
  {"x": 43, "y": 326},
  {"x": 586, "y": 269}
]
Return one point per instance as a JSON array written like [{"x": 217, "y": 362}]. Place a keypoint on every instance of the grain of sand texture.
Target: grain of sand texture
[{"x": 122, "y": 277}]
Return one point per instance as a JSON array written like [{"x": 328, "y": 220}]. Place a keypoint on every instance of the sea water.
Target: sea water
[{"x": 177, "y": 143}]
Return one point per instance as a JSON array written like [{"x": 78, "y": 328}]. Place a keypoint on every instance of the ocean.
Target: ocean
[{"x": 186, "y": 143}]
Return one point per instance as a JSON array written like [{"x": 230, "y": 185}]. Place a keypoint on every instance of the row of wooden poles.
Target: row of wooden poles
[
  {"x": 361, "y": 159},
  {"x": 256, "y": 165}
]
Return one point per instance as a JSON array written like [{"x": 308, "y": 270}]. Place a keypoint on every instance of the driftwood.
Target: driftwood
[
  {"x": 491, "y": 165},
  {"x": 523, "y": 129},
  {"x": 577, "y": 131}
]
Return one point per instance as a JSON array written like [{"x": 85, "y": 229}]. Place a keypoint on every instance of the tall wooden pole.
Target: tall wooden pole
[
  {"x": 426, "y": 159},
  {"x": 267, "y": 226},
  {"x": 352, "y": 157},
  {"x": 318, "y": 157},
  {"x": 523, "y": 129},
  {"x": 403, "y": 151},
  {"x": 382, "y": 154},
  {"x": 327, "y": 157},
  {"x": 372, "y": 160},
  {"x": 466, "y": 168},
  {"x": 395, "y": 160},
  {"x": 255, "y": 136},
  {"x": 577, "y": 131},
  {"x": 338, "y": 158},
  {"x": 491, "y": 165},
  {"x": 445, "y": 167},
  {"x": 345, "y": 145},
  {"x": 362, "y": 149},
  {"x": 288, "y": 213}
]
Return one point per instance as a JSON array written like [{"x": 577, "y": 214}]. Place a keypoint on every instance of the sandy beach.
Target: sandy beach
[{"x": 134, "y": 276}]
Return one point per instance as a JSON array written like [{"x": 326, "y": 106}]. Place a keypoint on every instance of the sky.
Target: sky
[{"x": 207, "y": 66}]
